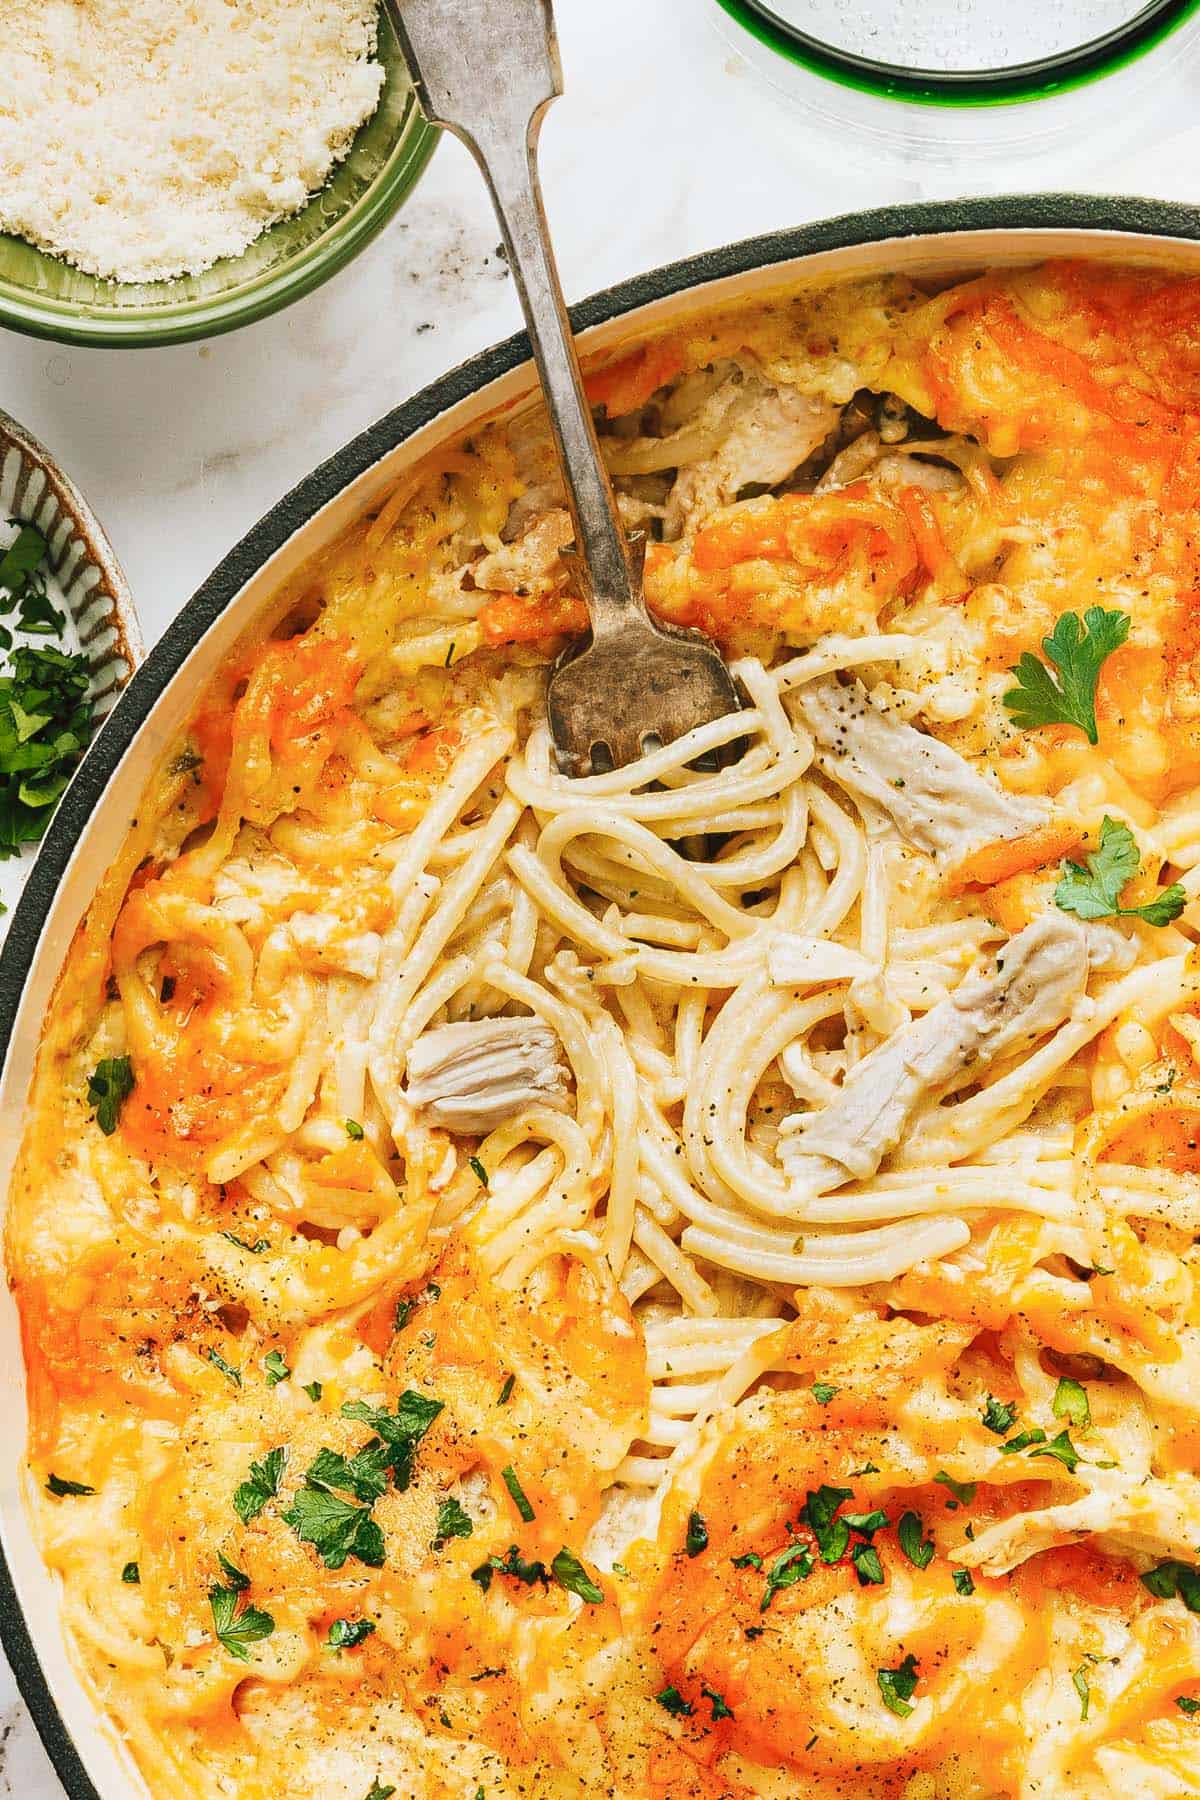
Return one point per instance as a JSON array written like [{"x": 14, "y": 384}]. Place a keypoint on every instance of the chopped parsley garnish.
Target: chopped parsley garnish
[
  {"x": 20, "y": 561},
  {"x": 354, "y": 1130},
  {"x": 751, "y": 1560},
  {"x": 379, "y": 1792},
  {"x": 277, "y": 1369},
  {"x": 227, "y": 1369},
  {"x": 898, "y": 1686},
  {"x": 867, "y": 1565},
  {"x": 400, "y": 1431},
  {"x": 1079, "y": 1682},
  {"x": 314, "y": 1390},
  {"x": 819, "y": 1512},
  {"x": 348, "y": 1634},
  {"x": 963, "y": 1584},
  {"x": 234, "y": 1629},
  {"x": 235, "y": 1578},
  {"x": 999, "y": 1416},
  {"x": 672, "y": 1701},
  {"x": 1190, "y": 1707},
  {"x": 109, "y": 1086},
  {"x": 1173, "y": 1579},
  {"x": 1062, "y": 1449},
  {"x": 131, "y": 1575},
  {"x": 1071, "y": 1402},
  {"x": 254, "y": 1249},
  {"x": 1023, "y": 1441},
  {"x": 63, "y": 1489},
  {"x": 336, "y": 1528},
  {"x": 918, "y": 1549},
  {"x": 506, "y": 1391},
  {"x": 453, "y": 1521},
  {"x": 46, "y": 718},
  {"x": 512, "y": 1563},
  {"x": 1077, "y": 649},
  {"x": 478, "y": 1170},
  {"x": 696, "y": 1542},
  {"x": 963, "y": 1491},
  {"x": 570, "y": 1573},
  {"x": 365, "y": 1474},
  {"x": 823, "y": 1392},
  {"x": 1092, "y": 890},
  {"x": 720, "y": 1710},
  {"x": 790, "y": 1566},
  {"x": 517, "y": 1492},
  {"x": 261, "y": 1485}
]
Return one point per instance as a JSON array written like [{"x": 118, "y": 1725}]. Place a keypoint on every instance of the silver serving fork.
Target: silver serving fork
[{"x": 487, "y": 70}]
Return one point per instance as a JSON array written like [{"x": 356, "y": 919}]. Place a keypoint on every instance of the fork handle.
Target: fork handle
[{"x": 487, "y": 70}]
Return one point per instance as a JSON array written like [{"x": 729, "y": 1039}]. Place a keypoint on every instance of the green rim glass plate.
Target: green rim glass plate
[
  {"x": 1147, "y": 27},
  {"x": 46, "y": 297}
]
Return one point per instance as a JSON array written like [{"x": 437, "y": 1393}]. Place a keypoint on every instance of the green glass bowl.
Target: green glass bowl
[{"x": 46, "y": 297}]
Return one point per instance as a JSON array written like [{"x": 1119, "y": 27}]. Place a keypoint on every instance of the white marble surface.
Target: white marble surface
[{"x": 666, "y": 143}]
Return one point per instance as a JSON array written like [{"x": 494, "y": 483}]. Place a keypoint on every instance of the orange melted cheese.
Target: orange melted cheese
[{"x": 238, "y": 1222}]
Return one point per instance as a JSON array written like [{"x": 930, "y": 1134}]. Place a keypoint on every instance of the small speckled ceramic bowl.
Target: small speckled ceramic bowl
[{"x": 89, "y": 585}]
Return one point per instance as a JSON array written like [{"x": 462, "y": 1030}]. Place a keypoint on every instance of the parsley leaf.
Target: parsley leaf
[
  {"x": 1171, "y": 1579},
  {"x": 512, "y": 1564},
  {"x": 570, "y": 1573},
  {"x": 234, "y": 1629},
  {"x": 823, "y": 1392},
  {"x": 255, "y": 1249},
  {"x": 62, "y": 1489},
  {"x": 401, "y": 1431},
  {"x": 1061, "y": 1448},
  {"x": 261, "y": 1486},
  {"x": 277, "y": 1369},
  {"x": 919, "y": 1550},
  {"x": 1071, "y": 1402},
  {"x": 354, "y": 1130},
  {"x": 517, "y": 1493},
  {"x": 1077, "y": 649},
  {"x": 1190, "y": 1707},
  {"x": 1023, "y": 1440},
  {"x": 109, "y": 1086},
  {"x": 236, "y": 1578},
  {"x": 505, "y": 1395},
  {"x": 232, "y": 1375},
  {"x": 720, "y": 1709},
  {"x": 478, "y": 1170},
  {"x": 46, "y": 719},
  {"x": 898, "y": 1686},
  {"x": 1092, "y": 890},
  {"x": 21, "y": 559},
  {"x": 672, "y": 1701},
  {"x": 963, "y": 1584},
  {"x": 1079, "y": 1682},
  {"x": 790, "y": 1566},
  {"x": 347, "y": 1634},
  {"x": 314, "y": 1390},
  {"x": 697, "y": 1534},
  {"x": 453, "y": 1521},
  {"x": 963, "y": 1491},
  {"x": 819, "y": 1512},
  {"x": 365, "y": 1474},
  {"x": 867, "y": 1565},
  {"x": 751, "y": 1560},
  {"x": 999, "y": 1416},
  {"x": 131, "y": 1575},
  {"x": 336, "y": 1528},
  {"x": 379, "y": 1792}
]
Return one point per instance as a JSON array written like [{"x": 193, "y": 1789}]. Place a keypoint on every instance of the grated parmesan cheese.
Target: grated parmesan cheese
[{"x": 145, "y": 139}]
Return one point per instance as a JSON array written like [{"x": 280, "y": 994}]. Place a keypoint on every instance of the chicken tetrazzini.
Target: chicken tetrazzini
[{"x": 680, "y": 1284}]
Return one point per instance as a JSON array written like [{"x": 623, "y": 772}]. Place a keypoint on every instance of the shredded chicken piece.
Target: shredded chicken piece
[
  {"x": 531, "y": 563},
  {"x": 1038, "y": 977},
  {"x": 936, "y": 800},
  {"x": 1154, "y": 1518},
  {"x": 869, "y": 456},
  {"x": 473, "y": 1076}
]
